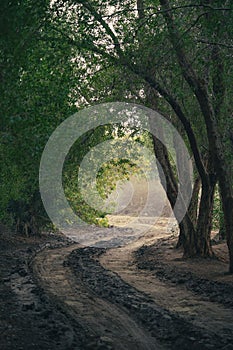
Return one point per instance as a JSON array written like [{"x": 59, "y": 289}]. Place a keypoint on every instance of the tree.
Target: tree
[
  {"x": 173, "y": 58},
  {"x": 37, "y": 78},
  {"x": 209, "y": 106},
  {"x": 167, "y": 55},
  {"x": 20, "y": 23},
  {"x": 39, "y": 90}
]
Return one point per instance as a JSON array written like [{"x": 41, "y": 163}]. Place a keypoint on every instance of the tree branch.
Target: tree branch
[
  {"x": 86, "y": 45},
  {"x": 218, "y": 84},
  {"x": 185, "y": 122},
  {"x": 104, "y": 24},
  {"x": 157, "y": 12},
  {"x": 200, "y": 90},
  {"x": 212, "y": 43}
]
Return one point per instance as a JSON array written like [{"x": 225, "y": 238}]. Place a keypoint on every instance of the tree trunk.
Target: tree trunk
[
  {"x": 228, "y": 217},
  {"x": 210, "y": 112},
  {"x": 192, "y": 211},
  {"x": 187, "y": 237},
  {"x": 194, "y": 204},
  {"x": 221, "y": 222},
  {"x": 222, "y": 228},
  {"x": 187, "y": 230},
  {"x": 204, "y": 223}
]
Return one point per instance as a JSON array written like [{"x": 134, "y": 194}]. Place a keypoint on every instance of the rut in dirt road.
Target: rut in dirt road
[{"x": 106, "y": 325}]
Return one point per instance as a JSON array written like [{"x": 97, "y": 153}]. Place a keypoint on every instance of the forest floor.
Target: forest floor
[{"x": 56, "y": 294}]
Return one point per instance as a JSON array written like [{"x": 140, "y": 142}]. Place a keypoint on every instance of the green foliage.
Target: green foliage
[
  {"x": 109, "y": 174},
  {"x": 113, "y": 172},
  {"x": 34, "y": 100},
  {"x": 58, "y": 57}
]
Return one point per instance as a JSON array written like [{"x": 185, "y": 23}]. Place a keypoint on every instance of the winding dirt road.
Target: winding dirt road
[{"x": 122, "y": 307}]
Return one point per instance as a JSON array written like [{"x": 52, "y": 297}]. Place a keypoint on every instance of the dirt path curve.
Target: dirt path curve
[
  {"x": 102, "y": 320},
  {"x": 120, "y": 306},
  {"x": 208, "y": 315}
]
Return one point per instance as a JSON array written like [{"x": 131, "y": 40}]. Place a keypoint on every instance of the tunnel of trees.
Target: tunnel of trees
[{"x": 58, "y": 57}]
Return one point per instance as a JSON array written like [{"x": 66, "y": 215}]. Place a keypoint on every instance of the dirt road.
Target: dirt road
[
  {"x": 55, "y": 294},
  {"x": 102, "y": 320},
  {"x": 123, "y": 307}
]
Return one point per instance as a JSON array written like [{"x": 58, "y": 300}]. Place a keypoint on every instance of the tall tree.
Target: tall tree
[
  {"x": 210, "y": 103},
  {"x": 168, "y": 56}
]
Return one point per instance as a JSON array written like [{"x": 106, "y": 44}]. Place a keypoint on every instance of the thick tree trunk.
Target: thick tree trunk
[
  {"x": 193, "y": 244},
  {"x": 201, "y": 245},
  {"x": 194, "y": 204},
  {"x": 187, "y": 237},
  {"x": 192, "y": 211},
  {"x": 204, "y": 223}
]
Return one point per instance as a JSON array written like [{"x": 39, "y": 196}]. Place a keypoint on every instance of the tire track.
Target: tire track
[{"x": 106, "y": 325}]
